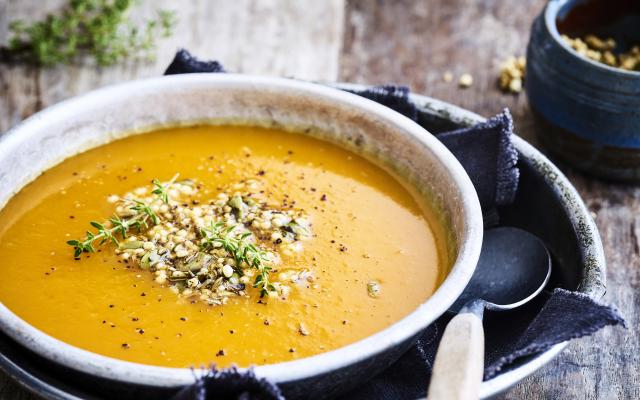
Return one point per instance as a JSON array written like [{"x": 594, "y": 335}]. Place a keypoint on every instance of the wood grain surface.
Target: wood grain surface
[{"x": 368, "y": 41}]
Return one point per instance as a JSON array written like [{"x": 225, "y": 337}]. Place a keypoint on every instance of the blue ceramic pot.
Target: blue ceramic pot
[{"x": 590, "y": 112}]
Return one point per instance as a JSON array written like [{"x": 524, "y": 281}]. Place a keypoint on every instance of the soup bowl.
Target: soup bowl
[{"x": 389, "y": 139}]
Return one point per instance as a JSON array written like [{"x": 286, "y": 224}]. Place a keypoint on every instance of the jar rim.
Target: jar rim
[{"x": 551, "y": 12}]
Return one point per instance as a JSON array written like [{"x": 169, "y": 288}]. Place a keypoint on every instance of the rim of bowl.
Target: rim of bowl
[
  {"x": 400, "y": 331},
  {"x": 550, "y": 17}
]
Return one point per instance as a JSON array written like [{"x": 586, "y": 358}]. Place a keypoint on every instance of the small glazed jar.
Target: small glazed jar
[{"x": 589, "y": 112}]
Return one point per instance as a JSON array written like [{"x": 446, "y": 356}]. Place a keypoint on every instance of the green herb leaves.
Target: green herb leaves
[
  {"x": 143, "y": 208},
  {"x": 100, "y": 29},
  {"x": 82, "y": 247},
  {"x": 141, "y": 215},
  {"x": 241, "y": 249},
  {"x": 161, "y": 190}
]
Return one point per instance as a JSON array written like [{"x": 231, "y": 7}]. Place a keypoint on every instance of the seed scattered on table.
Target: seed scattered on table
[
  {"x": 465, "y": 81},
  {"x": 512, "y": 74}
]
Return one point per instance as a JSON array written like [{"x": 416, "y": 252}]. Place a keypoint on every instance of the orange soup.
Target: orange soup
[{"x": 243, "y": 246}]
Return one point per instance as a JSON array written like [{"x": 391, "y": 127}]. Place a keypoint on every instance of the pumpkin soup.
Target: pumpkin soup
[{"x": 226, "y": 245}]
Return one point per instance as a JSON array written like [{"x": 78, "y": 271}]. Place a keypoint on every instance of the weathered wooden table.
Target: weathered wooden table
[{"x": 410, "y": 42}]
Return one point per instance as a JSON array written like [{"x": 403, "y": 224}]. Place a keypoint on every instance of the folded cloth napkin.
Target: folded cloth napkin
[
  {"x": 490, "y": 159},
  {"x": 230, "y": 384}
]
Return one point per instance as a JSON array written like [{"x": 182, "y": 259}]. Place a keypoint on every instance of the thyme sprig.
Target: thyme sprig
[
  {"x": 98, "y": 28},
  {"x": 239, "y": 245},
  {"x": 141, "y": 215},
  {"x": 162, "y": 190},
  {"x": 119, "y": 226}
]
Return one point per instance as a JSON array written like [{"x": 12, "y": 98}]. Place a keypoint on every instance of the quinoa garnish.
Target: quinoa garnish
[{"x": 204, "y": 250}]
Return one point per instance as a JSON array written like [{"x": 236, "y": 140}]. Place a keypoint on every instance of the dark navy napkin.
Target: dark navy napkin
[
  {"x": 230, "y": 384},
  {"x": 490, "y": 159}
]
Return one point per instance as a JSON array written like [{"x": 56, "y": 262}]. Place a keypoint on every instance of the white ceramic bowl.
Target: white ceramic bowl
[{"x": 361, "y": 125}]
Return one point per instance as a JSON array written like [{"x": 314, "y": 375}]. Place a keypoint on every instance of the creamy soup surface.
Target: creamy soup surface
[{"x": 366, "y": 227}]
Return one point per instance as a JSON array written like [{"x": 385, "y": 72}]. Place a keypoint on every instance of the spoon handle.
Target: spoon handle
[{"x": 459, "y": 364}]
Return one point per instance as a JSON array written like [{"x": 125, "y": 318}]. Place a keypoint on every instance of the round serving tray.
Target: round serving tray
[{"x": 546, "y": 205}]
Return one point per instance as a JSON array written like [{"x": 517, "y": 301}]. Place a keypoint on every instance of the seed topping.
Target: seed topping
[{"x": 203, "y": 250}]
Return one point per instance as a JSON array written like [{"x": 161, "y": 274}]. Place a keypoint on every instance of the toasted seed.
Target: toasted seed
[
  {"x": 373, "y": 288},
  {"x": 227, "y": 270},
  {"x": 465, "y": 81},
  {"x": 135, "y": 244}
]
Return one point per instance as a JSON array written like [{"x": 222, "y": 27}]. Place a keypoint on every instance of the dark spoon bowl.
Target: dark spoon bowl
[{"x": 514, "y": 267}]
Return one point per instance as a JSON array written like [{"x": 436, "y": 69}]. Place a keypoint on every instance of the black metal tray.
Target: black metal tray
[{"x": 546, "y": 205}]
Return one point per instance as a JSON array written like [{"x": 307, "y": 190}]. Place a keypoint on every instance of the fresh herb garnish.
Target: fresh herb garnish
[
  {"x": 162, "y": 190},
  {"x": 119, "y": 226},
  {"x": 100, "y": 29},
  {"x": 142, "y": 208},
  {"x": 141, "y": 215},
  {"x": 240, "y": 247}
]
